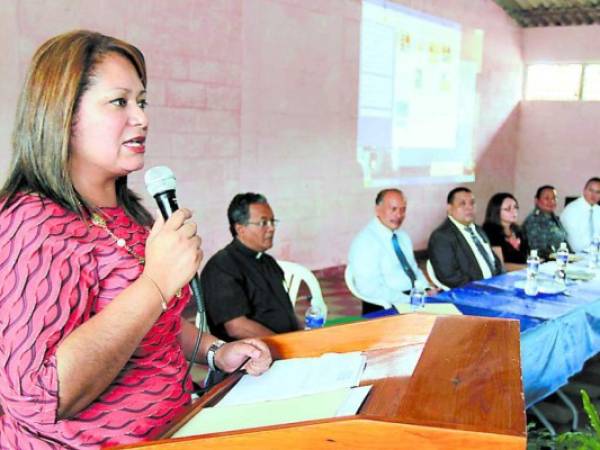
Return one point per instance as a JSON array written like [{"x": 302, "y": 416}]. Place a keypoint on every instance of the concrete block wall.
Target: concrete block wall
[
  {"x": 558, "y": 141},
  {"x": 261, "y": 95}
]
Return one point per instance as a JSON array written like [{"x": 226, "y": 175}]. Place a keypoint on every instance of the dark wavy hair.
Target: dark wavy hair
[
  {"x": 61, "y": 71},
  {"x": 492, "y": 212}
]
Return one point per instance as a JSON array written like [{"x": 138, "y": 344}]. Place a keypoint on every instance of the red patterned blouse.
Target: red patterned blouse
[{"x": 56, "y": 273}]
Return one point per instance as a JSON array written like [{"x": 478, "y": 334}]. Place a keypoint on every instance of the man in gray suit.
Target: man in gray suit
[{"x": 459, "y": 250}]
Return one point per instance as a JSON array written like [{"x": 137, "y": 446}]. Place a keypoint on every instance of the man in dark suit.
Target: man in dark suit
[{"x": 459, "y": 250}]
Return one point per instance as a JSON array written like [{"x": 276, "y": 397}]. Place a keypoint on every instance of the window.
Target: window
[
  {"x": 563, "y": 82},
  {"x": 591, "y": 82},
  {"x": 553, "y": 82}
]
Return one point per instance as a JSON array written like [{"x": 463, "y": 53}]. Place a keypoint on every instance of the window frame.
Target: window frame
[
  {"x": 580, "y": 81},
  {"x": 583, "y": 78}
]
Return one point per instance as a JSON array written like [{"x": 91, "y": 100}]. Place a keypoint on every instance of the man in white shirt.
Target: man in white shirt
[
  {"x": 381, "y": 257},
  {"x": 581, "y": 217},
  {"x": 458, "y": 249}
]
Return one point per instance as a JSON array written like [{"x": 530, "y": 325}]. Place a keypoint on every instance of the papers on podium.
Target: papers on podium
[
  {"x": 323, "y": 405},
  {"x": 291, "y": 390},
  {"x": 299, "y": 376}
]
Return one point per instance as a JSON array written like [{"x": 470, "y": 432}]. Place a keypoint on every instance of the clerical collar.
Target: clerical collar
[{"x": 245, "y": 250}]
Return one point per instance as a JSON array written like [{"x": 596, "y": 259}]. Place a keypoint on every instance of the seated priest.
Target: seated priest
[{"x": 242, "y": 285}]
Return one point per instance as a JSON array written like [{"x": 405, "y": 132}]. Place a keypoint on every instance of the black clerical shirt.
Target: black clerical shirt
[{"x": 238, "y": 281}]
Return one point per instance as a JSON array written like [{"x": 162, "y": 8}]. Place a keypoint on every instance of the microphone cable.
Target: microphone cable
[{"x": 160, "y": 183}]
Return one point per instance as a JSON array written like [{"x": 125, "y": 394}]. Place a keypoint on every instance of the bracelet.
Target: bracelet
[
  {"x": 210, "y": 354},
  {"x": 163, "y": 302}
]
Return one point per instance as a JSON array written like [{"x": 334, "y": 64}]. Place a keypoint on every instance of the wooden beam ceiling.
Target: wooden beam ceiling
[{"x": 545, "y": 13}]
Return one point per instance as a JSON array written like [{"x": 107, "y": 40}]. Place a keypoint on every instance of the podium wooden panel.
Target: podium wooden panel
[{"x": 465, "y": 393}]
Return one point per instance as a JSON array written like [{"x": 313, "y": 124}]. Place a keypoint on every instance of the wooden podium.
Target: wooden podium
[{"x": 464, "y": 393}]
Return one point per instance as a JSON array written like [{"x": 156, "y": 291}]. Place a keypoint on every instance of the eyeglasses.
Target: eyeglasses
[{"x": 264, "y": 223}]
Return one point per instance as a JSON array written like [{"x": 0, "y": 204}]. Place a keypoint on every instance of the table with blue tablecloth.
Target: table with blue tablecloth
[{"x": 559, "y": 331}]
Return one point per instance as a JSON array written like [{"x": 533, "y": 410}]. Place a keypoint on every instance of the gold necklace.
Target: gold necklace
[{"x": 100, "y": 222}]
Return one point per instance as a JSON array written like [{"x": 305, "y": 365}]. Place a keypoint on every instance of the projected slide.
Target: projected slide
[{"x": 417, "y": 97}]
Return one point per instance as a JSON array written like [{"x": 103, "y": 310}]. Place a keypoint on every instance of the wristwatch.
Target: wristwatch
[{"x": 210, "y": 354}]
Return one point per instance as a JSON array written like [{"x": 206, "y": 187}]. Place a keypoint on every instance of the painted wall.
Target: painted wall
[
  {"x": 262, "y": 95},
  {"x": 558, "y": 141}
]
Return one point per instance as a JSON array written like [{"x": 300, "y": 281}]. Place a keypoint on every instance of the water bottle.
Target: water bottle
[
  {"x": 417, "y": 296},
  {"x": 562, "y": 258},
  {"x": 314, "y": 317},
  {"x": 533, "y": 267}
]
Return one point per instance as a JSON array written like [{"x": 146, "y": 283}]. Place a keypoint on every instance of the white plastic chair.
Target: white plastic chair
[
  {"x": 349, "y": 278},
  {"x": 431, "y": 274},
  {"x": 294, "y": 275},
  {"x": 429, "y": 308}
]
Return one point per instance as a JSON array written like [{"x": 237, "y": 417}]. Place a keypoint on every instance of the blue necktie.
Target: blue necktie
[
  {"x": 403, "y": 260},
  {"x": 481, "y": 248}
]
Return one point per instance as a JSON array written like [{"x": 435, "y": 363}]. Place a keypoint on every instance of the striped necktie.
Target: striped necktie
[
  {"x": 481, "y": 248},
  {"x": 403, "y": 261}
]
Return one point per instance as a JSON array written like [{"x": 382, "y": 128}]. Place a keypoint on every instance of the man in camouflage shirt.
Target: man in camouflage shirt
[{"x": 542, "y": 228}]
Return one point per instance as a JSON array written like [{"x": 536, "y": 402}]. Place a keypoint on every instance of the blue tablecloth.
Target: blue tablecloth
[{"x": 559, "y": 332}]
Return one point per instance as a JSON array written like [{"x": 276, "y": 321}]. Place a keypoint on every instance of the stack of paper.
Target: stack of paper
[
  {"x": 299, "y": 376},
  {"x": 291, "y": 390}
]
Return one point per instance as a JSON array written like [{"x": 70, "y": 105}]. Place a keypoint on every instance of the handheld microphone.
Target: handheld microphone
[{"x": 160, "y": 183}]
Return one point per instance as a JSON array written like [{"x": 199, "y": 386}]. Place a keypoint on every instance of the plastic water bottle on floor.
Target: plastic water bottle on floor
[
  {"x": 562, "y": 258},
  {"x": 533, "y": 268},
  {"x": 417, "y": 296},
  {"x": 314, "y": 317}
]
